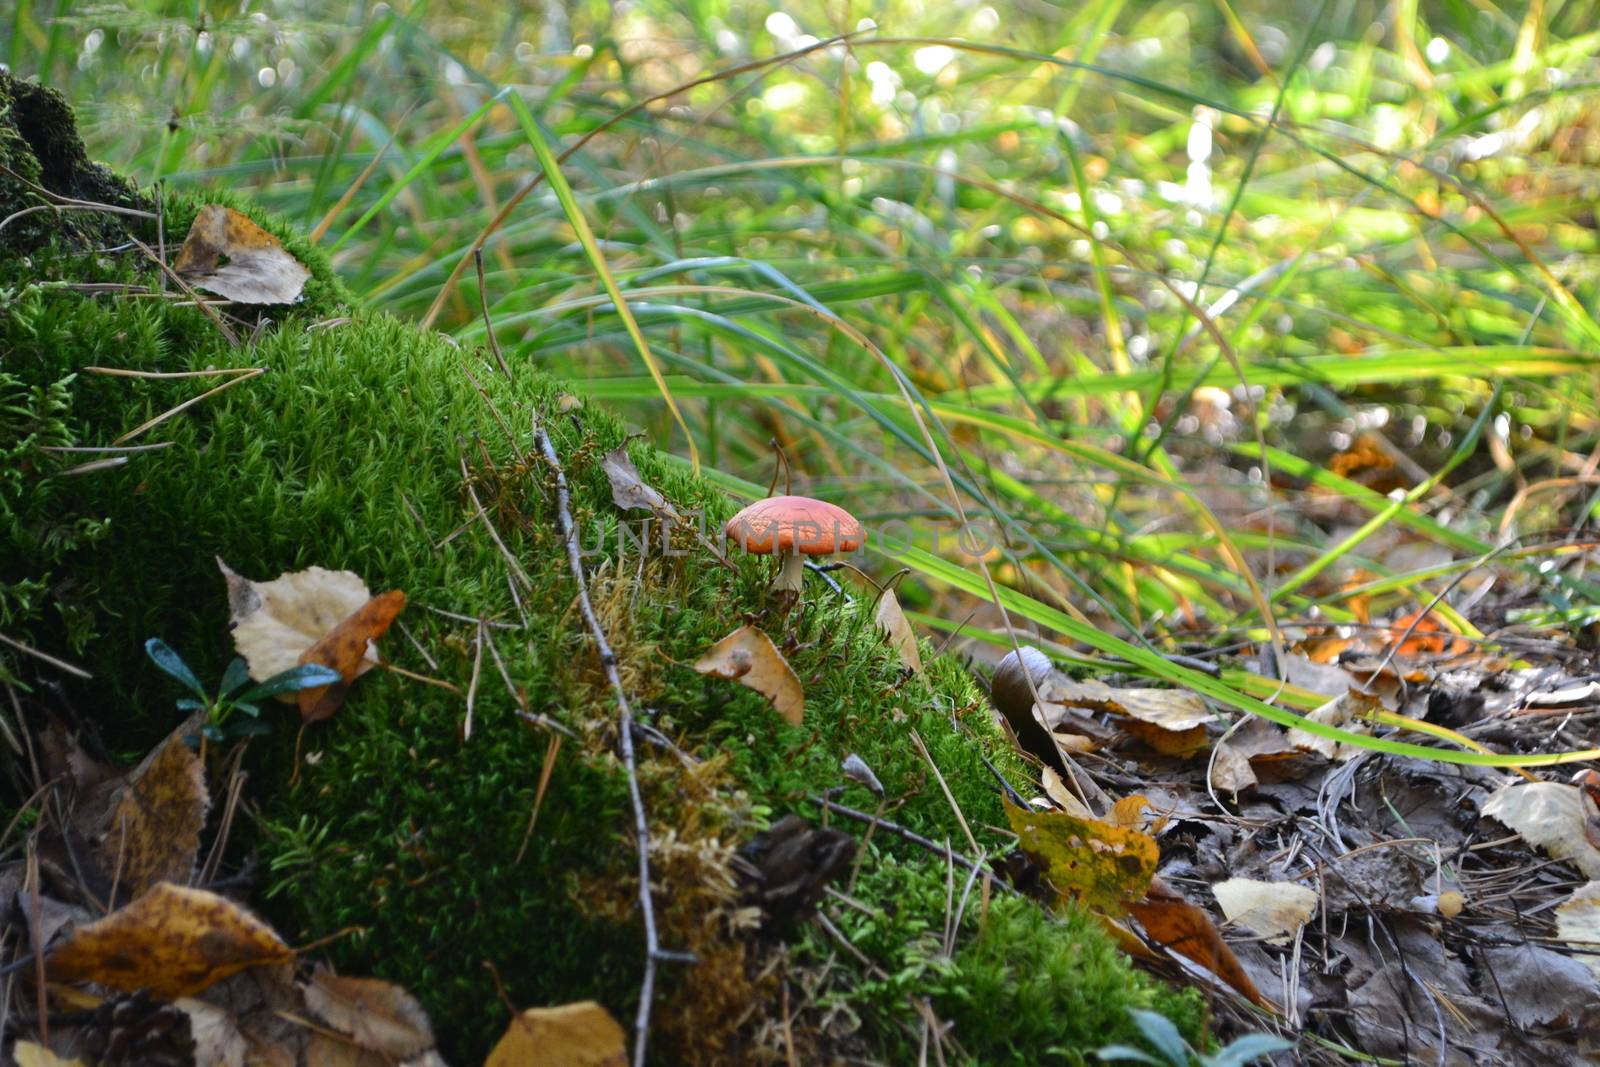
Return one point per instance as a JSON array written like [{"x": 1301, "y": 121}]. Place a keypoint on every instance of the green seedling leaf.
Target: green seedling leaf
[
  {"x": 1246, "y": 1049},
  {"x": 1127, "y": 1054},
  {"x": 1160, "y": 1032},
  {"x": 305, "y": 676},
  {"x": 237, "y": 674},
  {"x": 170, "y": 662}
]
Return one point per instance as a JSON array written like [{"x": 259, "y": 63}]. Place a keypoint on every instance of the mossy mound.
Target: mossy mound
[{"x": 350, "y": 452}]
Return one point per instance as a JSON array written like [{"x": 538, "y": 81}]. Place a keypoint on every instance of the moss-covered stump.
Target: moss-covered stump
[{"x": 355, "y": 449}]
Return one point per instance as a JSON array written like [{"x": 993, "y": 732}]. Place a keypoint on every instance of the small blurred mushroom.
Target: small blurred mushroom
[
  {"x": 794, "y": 527},
  {"x": 1020, "y": 674}
]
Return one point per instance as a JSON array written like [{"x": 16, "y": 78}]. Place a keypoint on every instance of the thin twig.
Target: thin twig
[
  {"x": 654, "y": 953},
  {"x": 253, "y": 372},
  {"x": 472, "y": 685},
  {"x": 488, "y": 323},
  {"x": 58, "y": 664},
  {"x": 904, "y": 834},
  {"x": 494, "y": 535},
  {"x": 922, "y": 750}
]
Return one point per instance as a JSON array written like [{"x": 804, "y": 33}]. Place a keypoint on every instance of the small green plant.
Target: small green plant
[
  {"x": 220, "y": 723},
  {"x": 1174, "y": 1051}
]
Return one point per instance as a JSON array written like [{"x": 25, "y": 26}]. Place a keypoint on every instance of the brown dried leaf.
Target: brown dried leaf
[
  {"x": 173, "y": 941},
  {"x": 1344, "y": 711},
  {"x": 376, "y": 1015},
  {"x": 749, "y": 657},
  {"x": 1095, "y": 863},
  {"x": 227, "y": 254},
  {"x": 892, "y": 622},
  {"x": 154, "y": 832},
  {"x": 1231, "y": 770},
  {"x": 573, "y": 1035},
  {"x": 1171, "y": 921},
  {"x": 628, "y": 490},
  {"x": 1171, "y": 709},
  {"x": 1550, "y": 816},
  {"x": 347, "y": 648}
]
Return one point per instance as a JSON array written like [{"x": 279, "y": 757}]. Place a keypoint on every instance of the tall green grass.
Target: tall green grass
[{"x": 1116, "y": 280}]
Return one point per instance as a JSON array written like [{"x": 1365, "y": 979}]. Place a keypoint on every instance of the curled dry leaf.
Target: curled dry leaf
[
  {"x": 1057, "y": 791},
  {"x": 345, "y": 648},
  {"x": 227, "y": 254},
  {"x": 1276, "y": 910},
  {"x": 628, "y": 490},
  {"x": 572, "y": 1035},
  {"x": 1550, "y": 816},
  {"x": 1171, "y": 921},
  {"x": 154, "y": 831},
  {"x": 1095, "y": 863},
  {"x": 310, "y": 616},
  {"x": 749, "y": 657},
  {"x": 1578, "y": 923},
  {"x": 377, "y": 1016},
  {"x": 892, "y": 623},
  {"x": 172, "y": 941}
]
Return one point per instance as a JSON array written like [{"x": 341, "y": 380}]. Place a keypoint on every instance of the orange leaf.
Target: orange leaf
[
  {"x": 172, "y": 941},
  {"x": 344, "y": 648},
  {"x": 1171, "y": 921}
]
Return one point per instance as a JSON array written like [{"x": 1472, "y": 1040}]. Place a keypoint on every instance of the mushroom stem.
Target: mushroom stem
[{"x": 791, "y": 574}]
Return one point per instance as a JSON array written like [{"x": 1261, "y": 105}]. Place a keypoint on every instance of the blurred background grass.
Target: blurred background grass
[{"x": 1213, "y": 313}]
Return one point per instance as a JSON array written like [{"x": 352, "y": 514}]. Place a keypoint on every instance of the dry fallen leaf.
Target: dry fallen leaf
[
  {"x": 1180, "y": 926},
  {"x": 217, "y": 1040},
  {"x": 154, "y": 832},
  {"x": 1276, "y": 910},
  {"x": 227, "y": 254},
  {"x": 573, "y": 1035},
  {"x": 346, "y": 648},
  {"x": 1578, "y": 923},
  {"x": 1170, "y": 721},
  {"x": 310, "y": 616},
  {"x": 1231, "y": 770},
  {"x": 32, "y": 1054},
  {"x": 376, "y": 1015},
  {"x": 892, "y": 623},
  {"x": 173, "y": 941},
  {"x": 1550, "y": 816},
  {"x": 1345, "y": 711},
  {"x": 1057, "y": 791},
  {"x": 749, "y": 657},
  {"x": 1095, "y": 863},
  {"x": 275, "y": 622},
  {"x": 628, "y": 490}
]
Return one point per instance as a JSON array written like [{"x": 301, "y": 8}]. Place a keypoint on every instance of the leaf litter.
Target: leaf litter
[{"x": 1375, "y": 900}]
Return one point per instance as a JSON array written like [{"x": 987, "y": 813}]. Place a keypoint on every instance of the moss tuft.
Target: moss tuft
[{"x": 40, "y": 147}]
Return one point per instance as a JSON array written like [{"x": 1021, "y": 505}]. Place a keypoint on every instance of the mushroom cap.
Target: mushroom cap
[{"x": 781, "y": 525}]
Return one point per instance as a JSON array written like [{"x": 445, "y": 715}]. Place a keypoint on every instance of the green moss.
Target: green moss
[
  {"x": 348, "y": 453},
  {"x": 1022, "y": 987}
]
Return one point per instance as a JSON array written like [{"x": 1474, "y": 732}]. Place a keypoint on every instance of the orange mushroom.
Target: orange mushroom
[{"x": 794, "y": 527}]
